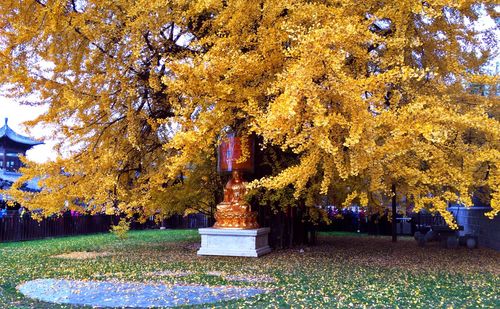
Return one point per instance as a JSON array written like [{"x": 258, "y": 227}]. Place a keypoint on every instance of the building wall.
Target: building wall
[
  {"x": 9, "y": 156},
  {"x": 476, "y": 223}
]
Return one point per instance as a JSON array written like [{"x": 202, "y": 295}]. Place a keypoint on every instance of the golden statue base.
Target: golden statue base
[{"x": 234, "y": 220}]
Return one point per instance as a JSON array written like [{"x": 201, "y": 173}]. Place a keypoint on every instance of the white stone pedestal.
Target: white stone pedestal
[{"x": 233, "y": 242}]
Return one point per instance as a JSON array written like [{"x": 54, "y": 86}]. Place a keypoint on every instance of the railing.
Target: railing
[
  {"x": 17, "y": 227},
  {"x": 352, "y": 221}
]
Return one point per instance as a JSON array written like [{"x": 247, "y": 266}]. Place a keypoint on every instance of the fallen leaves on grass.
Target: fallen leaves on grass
[
  {"x": 243, "y": 277},
  {"x": 169, "y": 273},
  {"x": 341, "y": 271},
  {"x": 81, "y": 255}
]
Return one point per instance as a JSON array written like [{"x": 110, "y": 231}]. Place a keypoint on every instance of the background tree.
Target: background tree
[{"x": 362, "y": 97}]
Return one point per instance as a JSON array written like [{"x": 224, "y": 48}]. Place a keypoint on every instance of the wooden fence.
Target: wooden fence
[
  {"x": 17, "y": 227},
  {"x": 350, "y": 221}
]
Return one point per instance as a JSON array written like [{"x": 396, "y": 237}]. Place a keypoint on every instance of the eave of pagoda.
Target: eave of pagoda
[{"x": 10, "y": 139}]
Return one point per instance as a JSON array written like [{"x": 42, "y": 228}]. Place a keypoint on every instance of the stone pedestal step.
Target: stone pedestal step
[{"x": 234, "y": 242}]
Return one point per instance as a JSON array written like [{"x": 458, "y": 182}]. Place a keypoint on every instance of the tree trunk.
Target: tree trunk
[
  {"x": 289, "y": 227},
  {"x": 394, "y": 227}
]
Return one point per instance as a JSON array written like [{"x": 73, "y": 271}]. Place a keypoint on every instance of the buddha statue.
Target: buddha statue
[{"x": 234, "y": 211}]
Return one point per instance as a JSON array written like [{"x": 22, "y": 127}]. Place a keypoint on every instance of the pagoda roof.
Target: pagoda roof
[
  {"x": 7, "y": 132},
  {"x": 7, "y": 178}
]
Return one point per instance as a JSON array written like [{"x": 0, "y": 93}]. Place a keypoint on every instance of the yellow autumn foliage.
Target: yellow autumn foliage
[{"x": 365, "y": 94}]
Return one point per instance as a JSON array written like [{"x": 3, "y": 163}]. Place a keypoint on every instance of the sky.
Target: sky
[{"x": 18, "y": 114}]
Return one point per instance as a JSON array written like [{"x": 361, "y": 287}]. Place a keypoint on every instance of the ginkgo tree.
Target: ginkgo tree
[{"x": 365, "y": 96}]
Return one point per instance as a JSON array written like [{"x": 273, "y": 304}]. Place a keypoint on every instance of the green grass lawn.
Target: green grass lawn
[{"x": 342, "y": 270}]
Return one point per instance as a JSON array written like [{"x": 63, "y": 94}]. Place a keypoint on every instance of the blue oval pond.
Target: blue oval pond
[{"x": 129, "y": 294}]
